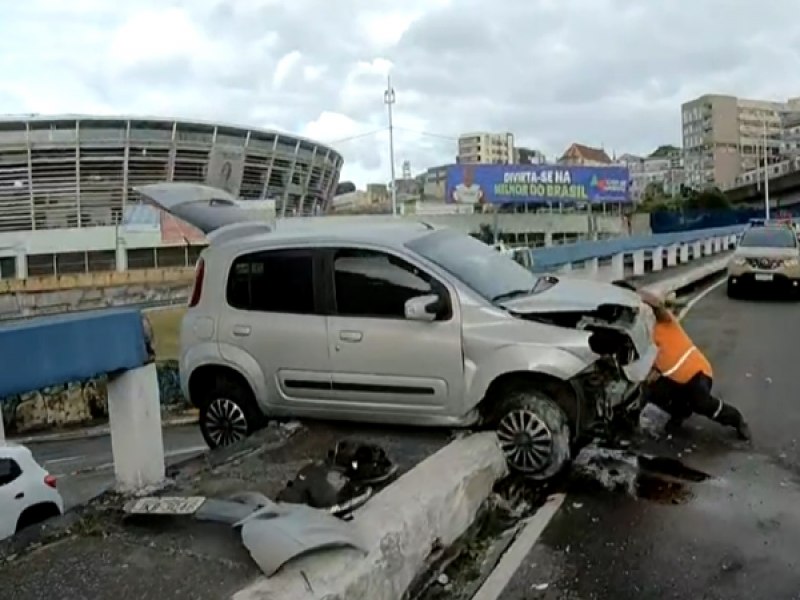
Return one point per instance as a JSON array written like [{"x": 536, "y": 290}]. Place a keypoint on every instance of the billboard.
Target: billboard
[
  {"x": 522, "y": 184},
  {"x": 225, "y": 168}
]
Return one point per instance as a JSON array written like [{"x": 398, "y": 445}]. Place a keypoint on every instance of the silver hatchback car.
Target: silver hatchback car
[{"x": 399, "y": 322}]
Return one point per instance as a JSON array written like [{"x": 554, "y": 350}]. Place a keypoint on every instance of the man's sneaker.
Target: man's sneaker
[{"x": 743, "y": 431}]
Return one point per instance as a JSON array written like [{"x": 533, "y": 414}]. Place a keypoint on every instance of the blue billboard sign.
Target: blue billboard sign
[{"x": 524, "y": 184}]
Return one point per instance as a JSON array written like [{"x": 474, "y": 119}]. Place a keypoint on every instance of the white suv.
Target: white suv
[{"x": 399, "y": 322}]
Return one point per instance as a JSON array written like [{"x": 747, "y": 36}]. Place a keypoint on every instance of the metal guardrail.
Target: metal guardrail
[{"x": 556, "y": 256}]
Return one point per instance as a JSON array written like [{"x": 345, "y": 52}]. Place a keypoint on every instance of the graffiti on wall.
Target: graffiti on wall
[{"x": 81, "y": 403}]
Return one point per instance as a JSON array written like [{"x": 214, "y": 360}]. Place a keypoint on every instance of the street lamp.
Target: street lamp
[
  {"x": 389, "y": 100},
  {"x": 766, "y": 172}
]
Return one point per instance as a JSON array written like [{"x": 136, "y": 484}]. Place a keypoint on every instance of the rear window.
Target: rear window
[
  {"x": 767, "y": 237},
  {"x": 280, "y": 281},
  {"x": 9, "y": 471}
]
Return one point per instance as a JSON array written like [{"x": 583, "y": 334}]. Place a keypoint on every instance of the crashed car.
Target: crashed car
[{"x": 401, "y": 322}]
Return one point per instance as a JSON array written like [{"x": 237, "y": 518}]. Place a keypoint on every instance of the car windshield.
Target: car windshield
[
  {"x": 768, "y": 238},
  {"x": 493, "y": 275}
]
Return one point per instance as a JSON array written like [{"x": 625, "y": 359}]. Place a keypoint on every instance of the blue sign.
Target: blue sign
[{"x": 523, "y": 184}]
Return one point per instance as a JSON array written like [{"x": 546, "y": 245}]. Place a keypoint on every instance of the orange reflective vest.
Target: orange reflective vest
[{"x": 678, "y": 358}]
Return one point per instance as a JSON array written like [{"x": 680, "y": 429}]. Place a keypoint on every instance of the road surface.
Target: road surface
[
  {"x": 737, "y": 536},
  {"x": 85, "y": 467}
]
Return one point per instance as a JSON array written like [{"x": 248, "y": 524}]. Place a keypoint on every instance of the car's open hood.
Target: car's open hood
[
  {"x": 205, "y": 207},
  {"x": 571, "y": 294},
  {"x": 753, "y": 252}
]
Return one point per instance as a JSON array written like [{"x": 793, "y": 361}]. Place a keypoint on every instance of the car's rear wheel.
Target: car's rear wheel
[
  {"x": 228, "y": 413},
  {"x": 731, "y": 290},
  {"x": 534, "y": 433}
]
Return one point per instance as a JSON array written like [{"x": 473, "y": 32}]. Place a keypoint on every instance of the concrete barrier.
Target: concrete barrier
[
  {"x": 431, "y": 505},
  {"x": 80, "y": 403}
]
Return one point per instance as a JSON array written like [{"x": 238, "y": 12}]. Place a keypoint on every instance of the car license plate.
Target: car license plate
[
  {"x": 165, "y": 505},
  {"x": 763, "y": 277}
]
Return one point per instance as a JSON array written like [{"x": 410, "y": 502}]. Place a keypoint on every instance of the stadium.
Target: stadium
[{"x": 66, "y": 187}]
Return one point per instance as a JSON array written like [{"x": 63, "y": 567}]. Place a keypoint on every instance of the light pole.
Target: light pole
[
  {"x": 766, "y": 173},
  {"x": 389, "y": 100}
]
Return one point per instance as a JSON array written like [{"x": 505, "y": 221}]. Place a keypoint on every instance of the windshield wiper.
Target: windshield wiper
[{"x": 511, "y": 294}]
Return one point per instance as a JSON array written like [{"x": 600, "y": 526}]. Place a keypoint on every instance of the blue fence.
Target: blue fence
[
  {"x": 670, "y": 221},
  {"x": 555, "y": 256}
]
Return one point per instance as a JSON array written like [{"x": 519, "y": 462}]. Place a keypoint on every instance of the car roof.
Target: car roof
[
  {"x": 15, "y": 451},
  {"x": 366, "y": 230}
]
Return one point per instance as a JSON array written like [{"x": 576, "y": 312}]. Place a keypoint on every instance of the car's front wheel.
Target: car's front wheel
[
  {"x": 534, "y": 433},
  {"x": 228, "y": 413}
]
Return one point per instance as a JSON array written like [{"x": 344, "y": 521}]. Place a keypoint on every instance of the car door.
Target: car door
[
  {"x": 12, "y": 496},
  {"x": 273, "y": 316},
  {"x": 382, "y": 362}
]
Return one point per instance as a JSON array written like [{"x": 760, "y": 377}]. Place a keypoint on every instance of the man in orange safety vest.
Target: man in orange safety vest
[{"x": 682, "y": 377}]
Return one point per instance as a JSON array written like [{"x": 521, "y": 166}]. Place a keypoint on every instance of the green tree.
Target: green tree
[{"x": 708, "y": 199}]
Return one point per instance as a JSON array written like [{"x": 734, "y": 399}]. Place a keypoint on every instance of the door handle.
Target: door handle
[
  {"x": 19, "y": 496},
  {"x": 351, "y": 336},
  {"x": 241, "y": 330}
]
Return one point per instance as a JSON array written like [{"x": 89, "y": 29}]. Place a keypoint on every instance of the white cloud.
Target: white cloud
[{"x": 553, "y": 72}]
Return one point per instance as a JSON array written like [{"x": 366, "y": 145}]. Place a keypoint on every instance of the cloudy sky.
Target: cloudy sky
[{"x": 610, "y": 72}]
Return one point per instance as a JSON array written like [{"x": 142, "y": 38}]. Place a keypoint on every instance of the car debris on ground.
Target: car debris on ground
[{"x": 309, "y": 514}]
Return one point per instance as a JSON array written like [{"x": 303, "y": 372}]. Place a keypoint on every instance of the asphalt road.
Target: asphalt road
[
  {"x": 734, "y": 536},
  {"x": 85, "y": 467}
]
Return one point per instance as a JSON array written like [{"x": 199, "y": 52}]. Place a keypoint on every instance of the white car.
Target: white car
[{"x": 28, "y": 493}]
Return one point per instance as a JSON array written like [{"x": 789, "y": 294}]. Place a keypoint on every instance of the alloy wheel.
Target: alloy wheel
[
  {"x": 225, "y": 422},
  {"x": 526, "y": 440}
]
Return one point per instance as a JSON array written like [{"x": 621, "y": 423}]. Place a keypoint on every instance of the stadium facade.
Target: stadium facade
[{"x": 67, "y": 203}]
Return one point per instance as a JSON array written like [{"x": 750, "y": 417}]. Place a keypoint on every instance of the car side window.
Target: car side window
[
  {"x": 369, "y": 283},
  {"x": 280, "y": 281},
  {"x": 9, "y": 471}
]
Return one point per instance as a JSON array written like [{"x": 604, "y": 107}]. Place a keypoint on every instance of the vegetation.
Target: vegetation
[
  {"x": 654, "y": 199},
  {"x": 166, "y": 325}
]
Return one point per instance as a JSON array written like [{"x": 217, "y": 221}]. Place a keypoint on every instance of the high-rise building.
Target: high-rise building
[
  {"x": 528, "y": 156},
  {"x": 724, "y": 136},
  {"x": 484, "y": 147}
]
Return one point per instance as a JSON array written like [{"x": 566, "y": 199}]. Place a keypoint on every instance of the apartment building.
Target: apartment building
[
  {"x": 663, "y": 168},
  {"x": 528, "y": 156},
  {"x": 724, "y": 137},
  {"x": 484, "y": 147}
]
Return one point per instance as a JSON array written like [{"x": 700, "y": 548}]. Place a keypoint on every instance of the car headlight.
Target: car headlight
[
  {"x": 791, "y": 262},
  {"x": 739, "y": 262}
]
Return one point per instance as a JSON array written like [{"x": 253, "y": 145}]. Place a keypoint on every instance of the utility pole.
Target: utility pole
[
  {"x": 389, "y": 100},
  {"x": 766, "y": 174}
]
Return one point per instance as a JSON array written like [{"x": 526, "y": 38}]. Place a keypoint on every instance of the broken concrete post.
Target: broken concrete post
[
  {"x": 134, "y": 415},
  {"x": 434, "y": 503}
]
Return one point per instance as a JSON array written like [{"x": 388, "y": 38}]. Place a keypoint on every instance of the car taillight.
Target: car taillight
[
  {"x": 199, "y": 273},
  {"x": 49, "y": 480}
]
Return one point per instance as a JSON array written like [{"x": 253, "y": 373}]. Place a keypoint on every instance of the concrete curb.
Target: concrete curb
[
  {"x": 187, "y": 418},
  {"x": 432, "y": 504},
  {"x": 687, "y": 278}
]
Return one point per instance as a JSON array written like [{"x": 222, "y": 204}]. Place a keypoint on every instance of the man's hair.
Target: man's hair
[{"x": 624, "y": 284}]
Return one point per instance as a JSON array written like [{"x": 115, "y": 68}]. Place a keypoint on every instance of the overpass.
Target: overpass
[{"x": 784, "y": 192}]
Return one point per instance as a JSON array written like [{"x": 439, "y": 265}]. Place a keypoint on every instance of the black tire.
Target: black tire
[
  {"x": 534, "y": 433},
  {"x": 731, "y": 291},
  {"x": 38, "y": 513},
  {"x": 228, "y": 413}
]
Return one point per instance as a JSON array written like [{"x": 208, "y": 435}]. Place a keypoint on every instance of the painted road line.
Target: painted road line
[
  {"x": 55, "y": 461},
  {"x": 171, "y": 454},
  {"x": 699, "y": 297},
  {"x": 497, "y": 581}
]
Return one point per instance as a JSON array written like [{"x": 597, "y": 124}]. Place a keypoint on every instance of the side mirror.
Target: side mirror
[{"x": 422, "y": 308}]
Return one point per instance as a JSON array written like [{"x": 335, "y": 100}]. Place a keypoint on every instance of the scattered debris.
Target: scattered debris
[
  {"x": 540, "y": 587},
  {"x": 304, "y": 517}
]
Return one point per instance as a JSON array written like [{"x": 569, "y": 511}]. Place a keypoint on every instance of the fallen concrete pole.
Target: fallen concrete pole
[{"x": 433, "y": 504}]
